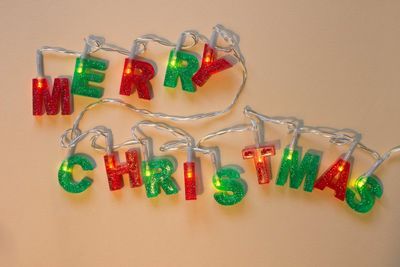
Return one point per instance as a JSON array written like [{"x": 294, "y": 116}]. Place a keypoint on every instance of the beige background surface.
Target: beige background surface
[{"x": 332, "y": 63}]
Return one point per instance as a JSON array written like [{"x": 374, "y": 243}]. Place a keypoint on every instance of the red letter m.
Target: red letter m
[{"x": 51, "y": 102}]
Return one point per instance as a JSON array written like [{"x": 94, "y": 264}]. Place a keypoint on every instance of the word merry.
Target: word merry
[{"x": 136, "y": 74}]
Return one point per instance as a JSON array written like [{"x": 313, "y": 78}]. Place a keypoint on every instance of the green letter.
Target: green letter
[
  {"x": 228, "y": 181},
  {"x": 368, "y": 188},
  {"x": 290, "y": 165},
  {"x": 182, "y": 65},
  {"x": 65, "y": 173},
  {"x": 86, "y": 70},
  {"x": 157, "y": 173}
]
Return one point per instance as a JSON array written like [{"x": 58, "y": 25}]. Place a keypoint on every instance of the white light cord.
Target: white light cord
[
  {"x": 184, "y": 141},
  {"x": 54, "y": 49},
  {"x": 177, "y": 132},
  {"x": 384, "y": 157},
  {"x": 71, "y": 143},
  {"x": 234, "y": 129}
]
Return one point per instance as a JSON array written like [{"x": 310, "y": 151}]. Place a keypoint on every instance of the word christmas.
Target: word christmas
[{"x": 155, "y": 173}]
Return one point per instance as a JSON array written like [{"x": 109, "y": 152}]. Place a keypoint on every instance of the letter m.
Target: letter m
[{"x": 44, "y": 100}]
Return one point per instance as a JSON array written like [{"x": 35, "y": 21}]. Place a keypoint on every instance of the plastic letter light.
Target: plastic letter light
[
  {"x": 115, "y": 170},
  {"x": 210, "y": 65},
  {"x": 157, "y": 173},
  {"x": 182, "y": 65},
  {"x": 368, "y": 188},
  {"x": 137, "y": 74},
  {"x": 290, "y": 165},
  {"x": 340, "y": 168},
  {"x": 260, "y": 155},
  {"x": 65, "y": 173},
  {"x": 228, "y": 182},
  {"x": 190, "y": 180},
  {"x": 88, "y": 70}
]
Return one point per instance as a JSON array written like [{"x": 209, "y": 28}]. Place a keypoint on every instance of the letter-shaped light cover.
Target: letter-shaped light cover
[
  {"x": 156, "y": 173},
  {"x": 189, "y": 169},
  {"x": 231, "y": 188},
  {"x": 137, "y": 74},
  {"x": 115, "y": 169},
  {"x": 368, "y": 188},
  {"x": 88, "y": 70},
  {"x": 260, "y": 155},
  {"x": 44, "y": 100},
  {"x": 65, "y": 177}
]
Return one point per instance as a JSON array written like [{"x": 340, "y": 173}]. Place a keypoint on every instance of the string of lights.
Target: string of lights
[
  {"x": 156, "y": 172},
  {"x": 137, "y": 73}
]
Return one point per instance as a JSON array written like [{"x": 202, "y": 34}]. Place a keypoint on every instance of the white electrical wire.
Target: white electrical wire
[
  {"x": 71, "y": 143},
  {"x": 336, "y": 136},
  {"x": 234, "y": 129},
  {"x": 185, "y": 140}
]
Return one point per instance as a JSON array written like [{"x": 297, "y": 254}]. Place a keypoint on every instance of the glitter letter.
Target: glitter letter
[
  {"x": 182, "y": 65},
  {"x": 157, "y": 173},
  {"x": 210, "y": 65},
  {"x": 65, "y": 173},
  {"x": 308, "y": 168},
  {"x": 232, "y": 189},
  {"x": 115, "y": 169},
  {"x": 368, "y": 189},
  {"x": 137, "y": 74},
  {"x": 260, "y": 155},
  {"x": 88, "y": 70},
  {"x": 340, "y": 168}
]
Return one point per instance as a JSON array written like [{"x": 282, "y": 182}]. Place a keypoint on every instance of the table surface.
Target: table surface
[{"x": 331, "y": 63}]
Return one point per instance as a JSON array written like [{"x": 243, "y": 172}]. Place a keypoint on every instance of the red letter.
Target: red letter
[
  {"x": 340, "y": 168},
  {"x": 190, "y": 180},
  {"x": 210, "y": 66},
  {"x": 115, "y": 170},
  {"x": 137, "y": 74},
  {"x": 51, "y": 101},
  {"x": 260, "y": 155}
]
